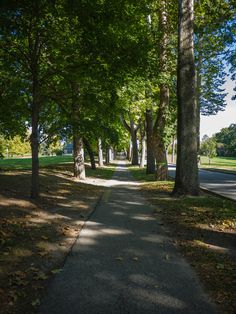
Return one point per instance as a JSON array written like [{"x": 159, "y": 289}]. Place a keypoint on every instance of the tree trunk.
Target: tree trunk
[
  {"x": 91, "y": 153},
  {"x": 79, "y": 168},
  {"x": 34, "y": 138},
  {"x": 173, "y": 151},
  {"x": 134, "y": 147},
  {"x": 198, "y": 87},
  {"x": 129, "y": 150},
  {"x": 132, "y": 129},
  {"x": 100, "y": 153},
  {"x": 143, "y": 146},
  {"x": 159, "y": 127},
  {"x": 110, "y": 152},
  {"x": 107, "y": 156},
  {"x": 150, "y": 155},
  {"x": 158, "y": 136},
  {"x": 186, "y": 180}
]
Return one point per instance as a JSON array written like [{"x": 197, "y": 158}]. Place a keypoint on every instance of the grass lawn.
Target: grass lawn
[
  {"x": 36, "y": 235},
  {"x": 227, "y": 164},
  {"x": 204, "y": 230},
  {"x": 55, "y": 161},
  {"x": 25, "y": 163}
]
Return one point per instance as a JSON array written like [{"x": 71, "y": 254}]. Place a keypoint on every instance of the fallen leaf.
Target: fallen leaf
[
  {"x": 40, "y": 276},
  {"x": 36, "y": 302},
  {"x": 135, "y": 258},
  {"x": 56, "y": 271},
  {"x": 167, "y": 257},
  {"x": 119, "y": 258},
  {"x": 42, "y": 253},
  {"x": 34, "y": 269},
  {"x": 220, "y": 266}
]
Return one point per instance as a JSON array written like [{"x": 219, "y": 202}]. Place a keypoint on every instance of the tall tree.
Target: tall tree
[
  {"x": 159, "y": 126},
  {"x": 150, "y": 155},
  {"x": 186, "y": 180},
  {"x": 25, "y": 31}
]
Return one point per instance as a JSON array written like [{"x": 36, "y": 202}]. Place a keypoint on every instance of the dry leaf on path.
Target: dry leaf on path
[
  {"x": 135, "y": 258},
  {"x": 119, "y": 258}
]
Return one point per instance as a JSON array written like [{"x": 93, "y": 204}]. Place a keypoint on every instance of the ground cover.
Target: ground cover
[
  {"x": 36, "y": 236},
  {"x": 204, "y": 230},
  {"x": 225, "y": 164},
  {"x": 25, "y": 163}
]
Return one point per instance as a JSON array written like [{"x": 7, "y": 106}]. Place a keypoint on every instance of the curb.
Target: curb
[{"x": 217, "y": 194}]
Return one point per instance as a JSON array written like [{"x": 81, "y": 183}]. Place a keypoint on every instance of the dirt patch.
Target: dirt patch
[
  {"x": 36, "y": 236},
  {"x": 204, "y": 229}
]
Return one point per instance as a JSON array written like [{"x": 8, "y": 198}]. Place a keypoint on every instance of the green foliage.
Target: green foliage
[
  {"x": 15, "y": 146},
  {"x": 214, "y": 26},
  {"x": 227, "y": 138},
  {"x": 208, "y": 147}
]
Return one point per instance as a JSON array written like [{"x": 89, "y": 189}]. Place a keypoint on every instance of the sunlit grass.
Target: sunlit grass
[
  {"x": 25, "y": 163},
  {"x": 140, "y": 174},
  {"x": 222, "y": 163}
]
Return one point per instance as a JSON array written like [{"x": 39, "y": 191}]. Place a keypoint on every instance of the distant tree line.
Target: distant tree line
[{"x": 222, "y": 143}]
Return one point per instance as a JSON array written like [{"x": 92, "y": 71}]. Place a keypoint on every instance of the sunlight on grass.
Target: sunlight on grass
[
  {"x": 227, "y": 164},
  {"x": 25, "y": 163}
]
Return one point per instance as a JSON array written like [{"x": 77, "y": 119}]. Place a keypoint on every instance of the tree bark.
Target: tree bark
[
  {"x": 158, "y": 136},
  {"x": 132, "y": 129},
  {"x": 91, "y": 153},
  {"x": 79, "y": 167},
  {"x": 129, "y": 151},
  {"x": 198, "y": 88},
  {"x": 34, "y": 138},
  {"x": 159, "y": 127},
  {"x": 107, "y": 160},
  {"x": 186, "y": 180},
  {"x": 134, "y": 159},
  {"x": 173, "y": 151},
  {"x": 150, "y": 155},
  {"x": 100, "y": 153},
  {"x": 110, "y": 154},
  {"x": 143, "y": 146}
]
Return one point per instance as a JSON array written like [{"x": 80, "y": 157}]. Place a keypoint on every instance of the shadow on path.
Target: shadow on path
[{"x": 124, "y": 262}]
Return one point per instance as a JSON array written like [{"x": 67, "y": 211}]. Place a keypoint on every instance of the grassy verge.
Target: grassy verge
[
  {"x": 25, "y": 163},
  {"x": 224, "y": 164},
  {"x": 36, "y": 236},
  {"x": 204, "y": 230}
]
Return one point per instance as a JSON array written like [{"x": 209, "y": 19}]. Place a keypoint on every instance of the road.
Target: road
[{"x": 217, "y": 182}]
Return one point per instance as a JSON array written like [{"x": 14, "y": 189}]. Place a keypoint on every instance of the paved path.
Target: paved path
[
  {"x": 218, "y": 182},
  {"x": 124, "y": 262}
]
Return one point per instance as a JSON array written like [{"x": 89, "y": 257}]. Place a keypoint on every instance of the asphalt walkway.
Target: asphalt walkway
[{"x": 124, "y": 262}]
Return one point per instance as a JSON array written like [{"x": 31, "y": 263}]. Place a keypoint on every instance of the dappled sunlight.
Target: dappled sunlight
[
  {"x": 158, "y": 298},
  {"x": 143, "y": 217},
  {"x": 113, "y": 231},
  {"x": 153, "y": 238},
  {"x": 119, "y": 213},
  {"x": 143, "y": 280},
  {"x": 134, "y": 203}
]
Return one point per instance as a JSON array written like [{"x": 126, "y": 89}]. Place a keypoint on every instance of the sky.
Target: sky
[{"x": 210, "y": 125}]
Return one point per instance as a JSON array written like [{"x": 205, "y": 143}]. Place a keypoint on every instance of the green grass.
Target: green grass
[
  {"x": 227, "y": 164},
  {"x": 25, "y": 163},
  {"x": 219, "y": 161},
  {"x": 140, "y": 174},
  {"x": 55, "y": 161},
  {"x": 104, "y": 173}
]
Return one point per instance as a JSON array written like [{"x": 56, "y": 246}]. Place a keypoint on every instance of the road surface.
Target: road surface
[{"x": 217, "y": 182}]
